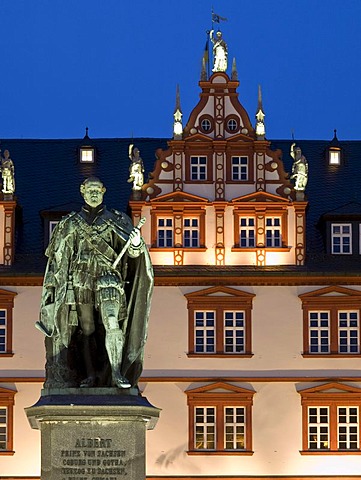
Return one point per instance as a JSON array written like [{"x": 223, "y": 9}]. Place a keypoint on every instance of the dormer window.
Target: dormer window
[
  {"x": 333, "y": 152},
  {"x": 334, "y": 156},
  {"x": 86, "y": 149},
  {"x": 87, "y": 155}
]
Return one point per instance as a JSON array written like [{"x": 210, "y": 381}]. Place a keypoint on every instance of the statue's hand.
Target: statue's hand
[{"x": 135, "y": 237}]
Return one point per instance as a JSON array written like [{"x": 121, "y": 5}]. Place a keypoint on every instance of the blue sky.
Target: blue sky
[{"x": 113, "y": 65}]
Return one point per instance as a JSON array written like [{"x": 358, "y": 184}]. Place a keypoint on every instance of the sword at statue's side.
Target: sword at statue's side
[{"x": 127, "y": 243}]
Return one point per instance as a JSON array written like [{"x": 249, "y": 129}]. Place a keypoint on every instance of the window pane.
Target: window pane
[
  {"x": 239, "y": 168},
  {"x": 348, "y": 332},
  {"x": 341, "y": 235},
  {"x": 3, "y": 328},
  {"x": 3, "y": 428},
  {"x": 165, "y": 232},
  {"x": 318, "y": 428},
  {"x": 247, "y": 232},
  {"x": 198, "y": 168},
  {"x": 273, "y": 232},
  {"x": 204, "y": 331},
  {"x": 190, "y": 233},
  {"x": 234, "y": 428},
  {"x": 348, "y": 428},
  {"x": 205, "y": 428},
  {"x": 319, "y": 332},
  {"x": 234, "y": 332}
]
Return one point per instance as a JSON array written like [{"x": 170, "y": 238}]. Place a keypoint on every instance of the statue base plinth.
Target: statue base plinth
[{"x": 90, "y": 434}]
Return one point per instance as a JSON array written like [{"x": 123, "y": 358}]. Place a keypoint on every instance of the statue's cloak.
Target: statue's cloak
[{"x": 58, "y": 314}]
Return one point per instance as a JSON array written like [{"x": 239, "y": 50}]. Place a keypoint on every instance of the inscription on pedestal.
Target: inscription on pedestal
[{"x": 93, "y": 459}]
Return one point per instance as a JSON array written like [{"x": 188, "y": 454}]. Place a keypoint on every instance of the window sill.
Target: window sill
[
  {"x": 198, "y": 181},
  {"x": 330, "y": 452},
  {"x": 6, "y": 354},
  {"x": 172, "y": 249},
  {"x": 237, "y": 182},
  {"x": 6, "y": 452},
  {"x": 220, "y": 452},
  {"x": 219, "y": 355},
  {"x": 331, "y": 355}
]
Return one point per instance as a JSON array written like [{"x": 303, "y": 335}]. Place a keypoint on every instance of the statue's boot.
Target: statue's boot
[
  {"x": 90, "y": 380},
  {"x": 114, "y": 341}
]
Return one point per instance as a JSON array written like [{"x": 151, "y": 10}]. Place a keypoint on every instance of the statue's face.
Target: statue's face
[{"x": 93, "y": 193}]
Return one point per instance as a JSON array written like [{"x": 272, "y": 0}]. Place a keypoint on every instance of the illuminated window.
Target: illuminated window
[
  {"x": 6, "y": 421},
  {"x": 191, "y": 232},
  {"x": 87, "y": 155},
  {"x": 220, "y": 420},
  {"x": 273, "y": 232},
  {"x": 260, "y": 225},
  {"x": 165, "y": 233},
  {"x": 331, "y": 419},
  {"x": 332, "y": 321},
  {"x": 247, "y": 232},
  {"x": 6, "y": 323},
  {"x": 334, "y": 157},
  {"x": 219, "y": 324},
  {"x": 239, "y": 168},
  {"x": 178, "y": 222},
  {"x": 198, "y": 168},
  {"x": 341, "y": 235}
]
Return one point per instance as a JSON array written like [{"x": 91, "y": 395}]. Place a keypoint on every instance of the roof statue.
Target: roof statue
[
  {"x": 136, "y": 168},
  {"x": 299, "y": 169},
  {"x": 96, "y": 297},
  {"x": 220, "y": 52},
  {"x": 260, "y": 126},
  {"x": 7, "y": 174}
]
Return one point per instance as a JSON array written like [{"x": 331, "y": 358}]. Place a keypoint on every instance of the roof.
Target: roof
[
  {"x": 328, "y": 188},
  {"x": 48, "y": 175}
]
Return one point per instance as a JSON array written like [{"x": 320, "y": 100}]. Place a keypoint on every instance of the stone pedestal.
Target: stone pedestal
[{"x": 97, "y": 434}]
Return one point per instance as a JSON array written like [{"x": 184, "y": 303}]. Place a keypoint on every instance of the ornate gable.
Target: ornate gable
[
  {"x": 261, "y": 197},
  {"x": 334, "y": 295},
  {"x": 221, "y": 293},
  {"x": 221, "y": 388}
]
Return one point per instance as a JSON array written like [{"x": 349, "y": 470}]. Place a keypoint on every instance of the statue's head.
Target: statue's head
[
  {"x": 219, "y": 34},
  {"x": 92, "y": 190}
]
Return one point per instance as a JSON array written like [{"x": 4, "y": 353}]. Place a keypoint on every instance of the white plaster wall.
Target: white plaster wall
[
  {"x": 2, "y": 228},
  {"x": 28, "y": 342},
  {"x": 277, "y": 338},
  {"x": 26, "y": 459},
  {"x": 277, "y": 438},
  {"x": 237, "y": 190}
]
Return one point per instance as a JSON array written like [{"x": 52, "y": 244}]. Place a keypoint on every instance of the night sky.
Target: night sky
[{"x": 113, "y": 65}]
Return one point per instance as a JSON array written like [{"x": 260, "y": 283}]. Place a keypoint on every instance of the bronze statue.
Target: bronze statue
[{"x": 96, "y": 297}]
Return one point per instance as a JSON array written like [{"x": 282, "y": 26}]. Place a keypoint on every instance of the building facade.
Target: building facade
[{"x": 253, "y": 350}]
